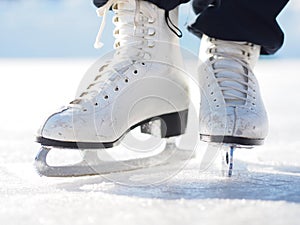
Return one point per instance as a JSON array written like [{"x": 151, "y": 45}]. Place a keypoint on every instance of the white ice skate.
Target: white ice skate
[
  {"x": 141, "y": 83},
  {"x": 232, "y": 113}
]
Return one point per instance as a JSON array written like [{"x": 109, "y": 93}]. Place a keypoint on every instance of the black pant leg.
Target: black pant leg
[
  {"x": 163, "y": 4},
  {"x": 99, "y": 3},
  {"x": 236, "y": 20},
  {"x": 243, "y": 20}
]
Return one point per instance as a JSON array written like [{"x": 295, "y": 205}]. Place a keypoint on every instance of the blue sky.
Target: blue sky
[{"x": 67, "y": 28}]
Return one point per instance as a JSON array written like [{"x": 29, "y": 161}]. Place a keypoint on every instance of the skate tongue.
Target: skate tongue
[{"x": 231, "y": 78}]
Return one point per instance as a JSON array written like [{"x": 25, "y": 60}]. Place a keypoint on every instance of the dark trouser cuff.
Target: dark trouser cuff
[
  {"x": 163, "y": 4},
  {"x": 243, "y": 20}
]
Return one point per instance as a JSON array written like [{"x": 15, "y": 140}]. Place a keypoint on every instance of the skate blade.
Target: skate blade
[
  {"x": 92, "y": 165},
  {"x": 219, "y": 158}
]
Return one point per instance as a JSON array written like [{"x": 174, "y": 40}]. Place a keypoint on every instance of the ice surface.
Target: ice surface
[{"x": 264, "y": 190}]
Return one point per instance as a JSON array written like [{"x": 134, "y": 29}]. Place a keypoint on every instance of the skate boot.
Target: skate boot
[
  {"x": 231, "y": 110},
  {"x": 140, "y": 84}
]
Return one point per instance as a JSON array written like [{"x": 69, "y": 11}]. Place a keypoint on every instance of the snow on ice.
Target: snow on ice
[{"x": 265, "y": 189}]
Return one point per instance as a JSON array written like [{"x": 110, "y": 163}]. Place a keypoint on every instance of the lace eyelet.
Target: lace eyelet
[
  {"x": 151, "y": 32},
  {"x": 126, "y": 80},
  {"x": 116, "y": 32},
  {"x": 152, "y": 45},
  {"x": 102, "y": 68},
  {"x": 135, "y": 72},
  {"x": 106, "y": 97},
  {"x": 116, "y": 19},
  {"x": 116, "y": 88},
  {"x": 151, "y": 20}
]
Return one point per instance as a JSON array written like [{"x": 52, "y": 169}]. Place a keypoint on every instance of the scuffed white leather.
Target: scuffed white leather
[
  {"x": 159, "y": 87},
  {"x": 218, "y": 117}
]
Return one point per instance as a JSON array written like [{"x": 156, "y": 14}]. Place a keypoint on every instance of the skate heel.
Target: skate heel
[{"x": 167, "y": 125}]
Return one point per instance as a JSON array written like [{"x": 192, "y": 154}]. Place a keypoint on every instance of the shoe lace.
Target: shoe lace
[
  {"x": 230, "y": 64},
  {"x": 133, "y": 35}
]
